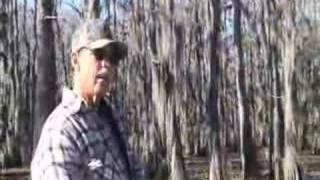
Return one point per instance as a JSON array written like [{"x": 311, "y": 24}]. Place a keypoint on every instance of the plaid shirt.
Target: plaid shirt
[{"x": 80, "y": 143}]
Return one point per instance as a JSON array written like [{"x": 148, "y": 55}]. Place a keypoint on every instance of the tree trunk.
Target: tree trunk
[
  {"x": 247, "y": 148},
  {"x": 46, "y": 85},
  {"x": 26, "y": 146},
  {"x": 290, "y": 166},
  {"x": 215, "y": 170},
  {"x": 277, "y": 118},
  {"x": 92, "y": 9}
]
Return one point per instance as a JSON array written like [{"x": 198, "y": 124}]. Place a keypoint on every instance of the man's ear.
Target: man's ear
[{"x": 75, "y": 62}]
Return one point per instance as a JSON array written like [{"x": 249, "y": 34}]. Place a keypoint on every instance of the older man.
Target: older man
[{"x": 82, "y": 138}]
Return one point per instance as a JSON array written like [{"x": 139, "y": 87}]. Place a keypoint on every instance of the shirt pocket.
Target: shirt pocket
[{"x": 97, "y": 169}]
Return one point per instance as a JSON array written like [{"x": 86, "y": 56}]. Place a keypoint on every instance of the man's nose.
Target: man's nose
[{"x": 105, "y": 62}]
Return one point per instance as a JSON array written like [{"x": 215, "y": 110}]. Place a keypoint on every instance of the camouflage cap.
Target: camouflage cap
[{"x": 93, "y": 34}]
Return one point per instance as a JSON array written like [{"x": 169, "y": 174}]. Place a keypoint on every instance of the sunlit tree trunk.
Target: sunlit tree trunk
[
  {"x": 272, "y": 54},
  {"x": 290, "y": 166},
  {"x": 167, "y": 54},
  {"x": 92, "y": 9}
]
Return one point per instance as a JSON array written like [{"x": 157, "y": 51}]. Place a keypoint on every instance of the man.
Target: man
[{"x": 82, "y": 138}]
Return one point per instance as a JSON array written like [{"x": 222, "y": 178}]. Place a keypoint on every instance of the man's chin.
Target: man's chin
[{"x": 101, "y": 92}]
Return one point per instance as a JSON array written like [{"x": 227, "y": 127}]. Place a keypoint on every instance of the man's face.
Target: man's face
[{"x": 96, "y": 73}]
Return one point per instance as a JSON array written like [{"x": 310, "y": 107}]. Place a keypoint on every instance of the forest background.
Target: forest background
[{"x": 204, "y": 78}]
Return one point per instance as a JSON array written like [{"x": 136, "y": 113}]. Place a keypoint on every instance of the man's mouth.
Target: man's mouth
[{"x": 102, "y": 77}]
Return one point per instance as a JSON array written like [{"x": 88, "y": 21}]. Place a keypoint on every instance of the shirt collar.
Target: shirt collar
[{"x": 70, "y": 99}]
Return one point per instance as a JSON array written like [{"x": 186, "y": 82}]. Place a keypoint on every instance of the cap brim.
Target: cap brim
[{"x": 116, "y": 49}]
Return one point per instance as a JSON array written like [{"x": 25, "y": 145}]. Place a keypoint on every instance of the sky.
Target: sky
[{"x": 31, "y": 2}]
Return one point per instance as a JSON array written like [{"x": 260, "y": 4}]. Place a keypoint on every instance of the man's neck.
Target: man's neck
[{"x": 90, "y": 100}]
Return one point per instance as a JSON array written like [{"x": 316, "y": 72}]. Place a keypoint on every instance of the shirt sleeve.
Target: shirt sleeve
[{"x": 56, "y": 158}]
